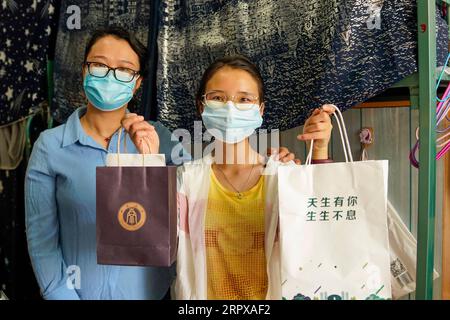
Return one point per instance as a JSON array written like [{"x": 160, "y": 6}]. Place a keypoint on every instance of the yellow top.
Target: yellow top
[{"x": 234, "y": 240}]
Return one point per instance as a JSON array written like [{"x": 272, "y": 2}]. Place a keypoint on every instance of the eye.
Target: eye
[
  {"x": 216, "y": 96},
  {"x": 245, "y": 100},
  {"x": 98, "y": 69},
  {"x": 98, "y": 65},
  {"x": 125, "y": 71}
]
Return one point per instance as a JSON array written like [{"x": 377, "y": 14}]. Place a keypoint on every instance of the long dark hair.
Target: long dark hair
[{"x": 236, "y": 62}]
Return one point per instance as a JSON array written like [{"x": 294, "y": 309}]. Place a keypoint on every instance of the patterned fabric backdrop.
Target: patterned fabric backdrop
[
  {"x": 71, "y": 41},
  {"x": 309, "y": 52},
  {"x": 25, "y": 30}
]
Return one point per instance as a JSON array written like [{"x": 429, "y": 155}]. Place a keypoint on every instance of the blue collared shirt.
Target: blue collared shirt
[{"x": 60, "y": 218}]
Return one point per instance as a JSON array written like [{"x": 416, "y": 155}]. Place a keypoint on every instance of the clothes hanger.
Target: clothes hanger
[{"x": 442, "y": 111}]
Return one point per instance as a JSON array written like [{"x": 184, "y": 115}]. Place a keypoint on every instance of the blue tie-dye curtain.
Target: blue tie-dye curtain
[{"x": 309, "y": 52}]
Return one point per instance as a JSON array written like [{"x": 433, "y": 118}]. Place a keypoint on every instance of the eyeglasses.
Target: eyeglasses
[
  {"x": 100, "y": 70},
  {"x": 218, "y": 99}
]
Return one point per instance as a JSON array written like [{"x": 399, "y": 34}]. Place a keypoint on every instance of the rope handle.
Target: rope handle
[
  {"x": 125, "y": 146},
  {"x": 344, "y": 139}
]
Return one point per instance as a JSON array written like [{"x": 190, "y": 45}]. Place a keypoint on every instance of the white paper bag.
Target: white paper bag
[
  {"x": 403, "y": 250},
  {"x": 133, "y": 159},
  {"x": 333, "y": 229}
]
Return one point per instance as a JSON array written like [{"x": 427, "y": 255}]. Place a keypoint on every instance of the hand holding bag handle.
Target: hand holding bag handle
[
  {"x": 125, "y": 146},
  {"x": 344, "y": 138}
]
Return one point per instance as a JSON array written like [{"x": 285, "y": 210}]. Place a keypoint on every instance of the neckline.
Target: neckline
[{"x": 232, "y": 193}]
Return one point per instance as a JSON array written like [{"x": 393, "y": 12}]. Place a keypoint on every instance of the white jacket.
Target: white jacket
[{"x": 193, "y": 188}]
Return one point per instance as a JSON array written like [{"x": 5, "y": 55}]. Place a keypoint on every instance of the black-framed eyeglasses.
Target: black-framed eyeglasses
[{"x": 101, "y": 70}]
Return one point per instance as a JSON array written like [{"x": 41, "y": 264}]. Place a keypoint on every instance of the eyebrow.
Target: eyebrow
[
  {"x": 101, "y": 57},
  {"x": 245, "y": 92},
  {"x": 124, "y": 61},
  {"x": 128, "y": 62}
]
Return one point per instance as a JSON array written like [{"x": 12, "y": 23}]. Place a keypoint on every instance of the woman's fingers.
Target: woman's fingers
[
  {"x": 129, "y": 120},
  {"x": 329, "y": 108},
  {"x": 313, "y": 136},
  {"x": 142, "y": 133},
  {"x": 288, "y": 157},
  {"x": 146, "y": 141},
  {"x": 137, "y": 126},
  {"x": 152, "y": 142},
  {"x": 282, "y": 154},
  {"x": 321, "y": 126},
  {"x": 320, "y": 117}
]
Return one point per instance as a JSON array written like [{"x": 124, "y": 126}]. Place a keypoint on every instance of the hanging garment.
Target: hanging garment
[
  {"x": 149, "y": 84},
  {"x": 72, "y": 39},
  {"x": 3, "y": 296},
  {"x": 16, "y": 275},
  {"x": 12, "y": 144},
  {"x": 309, "y": 52},
  {"x": 25, "y": 32}
]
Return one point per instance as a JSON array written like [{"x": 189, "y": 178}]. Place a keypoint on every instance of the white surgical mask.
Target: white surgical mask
[{"x": 230, "y": 124}]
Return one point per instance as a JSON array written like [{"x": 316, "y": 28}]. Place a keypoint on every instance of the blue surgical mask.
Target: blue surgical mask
[
  {"x": 230, "y": 124},
  {"x": 108, "y": 93}
]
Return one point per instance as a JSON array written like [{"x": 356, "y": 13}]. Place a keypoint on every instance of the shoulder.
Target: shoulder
[
  {"x": 51, "y": 138},
  {"x": 160, "y": 128},
  {"x": 196, "y": 168}
]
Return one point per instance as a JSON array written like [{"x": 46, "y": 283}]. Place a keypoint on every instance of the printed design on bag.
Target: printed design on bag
[
  {"x": 323, "y": 296},
  {"x": 132, "y": 216},
  {"x": 321, "y": 293},
  {"x": 332, "y": 208},
  {"x": 399, "y": 272},
  {"x": 342, "y": 296}
]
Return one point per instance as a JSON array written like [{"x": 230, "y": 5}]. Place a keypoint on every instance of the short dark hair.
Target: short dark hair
[
  {"x": 123, "y": 34},
  {"x": 236, "y": 62}
]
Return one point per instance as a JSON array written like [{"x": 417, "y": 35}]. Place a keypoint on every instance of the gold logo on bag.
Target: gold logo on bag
[{"x": 132, "y": 216}]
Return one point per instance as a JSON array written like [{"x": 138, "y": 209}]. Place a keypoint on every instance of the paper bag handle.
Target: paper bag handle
[
  {"x": 344, "y": 138},
  {"x": 125, "y": 146}
]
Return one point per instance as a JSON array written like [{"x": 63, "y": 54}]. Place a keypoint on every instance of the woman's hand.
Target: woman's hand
[
  {"x": 283, "y": 154},
  {"x": 318, "y": 128},
  {"x": 142, "y": 133}
]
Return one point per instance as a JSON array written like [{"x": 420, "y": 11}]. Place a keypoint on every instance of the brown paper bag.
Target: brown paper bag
[{"x": 136, "y": 215}]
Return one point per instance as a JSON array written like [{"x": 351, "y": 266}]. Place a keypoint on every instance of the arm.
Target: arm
[
  {"x": 42, "y": 227},
  {"x": 154, "y": 137},
  {"x": 318, "y": 127}
]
